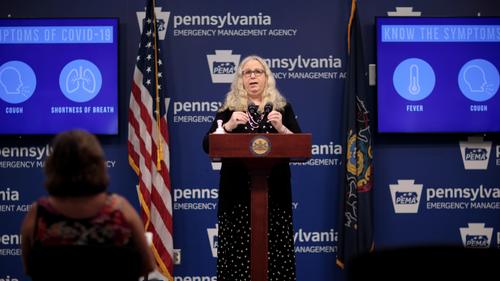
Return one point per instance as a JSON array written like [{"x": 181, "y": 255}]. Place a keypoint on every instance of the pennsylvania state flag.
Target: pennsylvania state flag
[{"x": 355, "y": 220}]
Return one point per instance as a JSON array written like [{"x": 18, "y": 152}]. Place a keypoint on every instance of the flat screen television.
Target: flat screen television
[
  {"x": 58, "y": 74},
  {"x": 438, "y": 75}
]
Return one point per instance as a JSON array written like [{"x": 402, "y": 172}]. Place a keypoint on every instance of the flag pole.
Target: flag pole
[
  {"x": 159, "y": 150},
  {"x": 349, "y": 27}
]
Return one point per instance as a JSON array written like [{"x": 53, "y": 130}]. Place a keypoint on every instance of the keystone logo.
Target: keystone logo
[
  {"x": 475, "y": 235},
  {"x": 223, "y": 66},
  {"x": 161, "y": 21},
  {"x": 404, "y": 12},
  {"x": 475, "y": 153},
  {"x": 405, "y": 196},
  {"x": 213, "y": 235},
  {"x": 216, "y": 166}
]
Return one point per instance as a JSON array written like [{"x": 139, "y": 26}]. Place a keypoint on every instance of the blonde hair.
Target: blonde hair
[{"x": 237, "y": 97}]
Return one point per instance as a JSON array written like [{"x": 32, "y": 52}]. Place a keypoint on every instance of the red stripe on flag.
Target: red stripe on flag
[{"x": 160, "y": 249}]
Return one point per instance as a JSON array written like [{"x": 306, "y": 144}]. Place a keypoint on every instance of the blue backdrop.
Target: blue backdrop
[{"x": 305, "y": 43}]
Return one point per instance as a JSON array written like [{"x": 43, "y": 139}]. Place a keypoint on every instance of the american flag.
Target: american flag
[{"x": 148, "y": 145}]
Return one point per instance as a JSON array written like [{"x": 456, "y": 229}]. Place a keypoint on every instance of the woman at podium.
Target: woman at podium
[{"x": 254, "y": 105}]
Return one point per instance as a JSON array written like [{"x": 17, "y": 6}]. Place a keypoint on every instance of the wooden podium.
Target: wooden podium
[{"x": 260, "y": 152}]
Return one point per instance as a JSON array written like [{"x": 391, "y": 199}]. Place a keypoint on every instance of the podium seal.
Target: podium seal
[{"x": 260, "y": 146}]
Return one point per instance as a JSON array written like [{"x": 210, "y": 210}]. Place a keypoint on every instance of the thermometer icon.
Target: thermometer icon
[{"x": 414, "y": 87}]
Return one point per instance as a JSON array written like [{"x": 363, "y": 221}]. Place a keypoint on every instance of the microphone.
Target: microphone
[
  {"x": 252, "y": 109},
  {"x": 267, "y": 109},
  {"x": 253, "y": 112}
]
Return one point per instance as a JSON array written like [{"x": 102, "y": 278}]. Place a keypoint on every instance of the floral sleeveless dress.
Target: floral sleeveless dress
[{"x": 107, "y": 227}]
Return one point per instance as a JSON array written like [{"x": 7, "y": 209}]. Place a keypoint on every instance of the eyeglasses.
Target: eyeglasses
[{"x": 257, "y": 72}]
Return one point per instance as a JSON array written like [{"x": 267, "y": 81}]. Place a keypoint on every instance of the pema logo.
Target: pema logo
[
  {"x": 404, "y": 12},
  {"x": 216, "y": 166},
  {"x": 405, "y": 196},
  {"x": 161, "y": 21},
  {"x": 213, "y": 235},
  {"x": 475, "y": 153},
  {"x": 223, "y": 65},
  {"x": 475, "y": 235}
]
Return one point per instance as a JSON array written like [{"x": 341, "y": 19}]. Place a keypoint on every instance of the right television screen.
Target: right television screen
[{"x": 438, "y": 75}]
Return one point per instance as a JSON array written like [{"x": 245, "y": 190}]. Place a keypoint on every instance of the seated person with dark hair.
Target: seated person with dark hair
[{"x": 80, "y": 231}]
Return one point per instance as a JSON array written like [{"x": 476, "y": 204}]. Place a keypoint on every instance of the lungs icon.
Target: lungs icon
[
  {"x": 83, "y": 78},
  {"x": 80, "y": 80}
]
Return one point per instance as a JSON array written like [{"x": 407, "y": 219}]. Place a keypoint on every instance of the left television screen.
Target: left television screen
[{"x": 58, "y": 74}]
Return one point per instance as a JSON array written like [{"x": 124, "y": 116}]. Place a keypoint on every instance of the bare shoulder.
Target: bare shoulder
[
  {"x": 126, "y": 207},
  {"x": 122, "y": 202}
]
